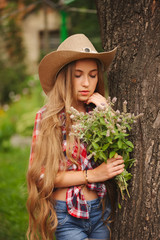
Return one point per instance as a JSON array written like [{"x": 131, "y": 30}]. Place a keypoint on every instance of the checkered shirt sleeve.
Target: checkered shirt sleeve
[{"x": 35, "y": 135}]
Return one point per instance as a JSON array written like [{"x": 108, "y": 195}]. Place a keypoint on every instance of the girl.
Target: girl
[{"x": 65, "y": 188}]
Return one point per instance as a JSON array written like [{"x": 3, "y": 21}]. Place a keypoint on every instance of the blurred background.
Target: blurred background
[{"x": 28, "y": 30}]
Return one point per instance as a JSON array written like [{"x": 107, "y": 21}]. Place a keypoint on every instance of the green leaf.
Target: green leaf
[
  {"x": 119, "y": 144},
  {"x": 129, "y": 162},
  {"x": 129, "y": 149},
  {"x": 129, "y": 127},
  {"x": 111, "y": 154},
  {"x": 109, "y": 139},
  {"x": 95, "y": 145},
  {"x": 117, "y": 136},
  {"x": 129, "y": 143},
  {"x": 88, "y": 136},
  {"x": 89, "y": 147},
  {"x": 97, "y": 139},
  {"x": 95, "y": 158},
  {"x": 102, "y": 155},
  {"x": 102, "y": 121},
  {"x": 105, "y": 146},
  {"x": 103, "y": 133},
  {"x": 119, "y": 206}
]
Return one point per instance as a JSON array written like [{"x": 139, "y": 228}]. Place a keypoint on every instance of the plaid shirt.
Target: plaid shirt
[{"x": 75, "y": 200}]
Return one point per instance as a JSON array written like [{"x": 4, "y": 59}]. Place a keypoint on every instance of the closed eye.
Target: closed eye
[
  {"x": 78, "y": 73},
  {"x": 93, "y": 73},
  {"x": 93, "y": 76},
  {"x": 77, "y": 76}
]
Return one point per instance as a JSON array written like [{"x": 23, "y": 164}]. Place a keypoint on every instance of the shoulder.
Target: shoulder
[
  {"x": 38, "y": 116},
  {"x": 40, "y": 112}
]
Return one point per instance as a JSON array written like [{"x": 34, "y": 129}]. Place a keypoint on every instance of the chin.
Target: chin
[{"x": 83, "y": 99}]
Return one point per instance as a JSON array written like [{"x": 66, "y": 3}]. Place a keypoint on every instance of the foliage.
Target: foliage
[
  {"x": 7, "y": 129},
  {"x": 32, "y": 103},
  {"x": 18, "y": 118},
  {"x": 13, "y": 192},
  {"x": 106, "y": 133},
  {"x": 12, "y": 54},
  {"x": 13, "y": 79},
  {"x": 14, "y": 161}
]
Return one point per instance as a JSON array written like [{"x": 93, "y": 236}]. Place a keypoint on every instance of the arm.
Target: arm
[
  {"x": 101, "y": 173},
  {"x": 35, "y": 134},
  {"x": 69, "y": 178}
]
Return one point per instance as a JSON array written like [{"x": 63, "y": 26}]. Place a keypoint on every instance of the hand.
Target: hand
[
  {"x": 105, "y": 171},
  {"x": 97, "y": 99}
]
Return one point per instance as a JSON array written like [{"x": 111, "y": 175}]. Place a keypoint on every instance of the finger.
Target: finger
[
  {"x": 97, "y": 94},
  {"x": 117, "y": 172},
  {"x": 92, "y": 100},
  {"x": 116, "y": 160},
  {"x": 119, "y": 157},
  {"x": 96, "y": 98},
  {"x": 117, "y": 168},
  {"x": 118, "y": 163}
]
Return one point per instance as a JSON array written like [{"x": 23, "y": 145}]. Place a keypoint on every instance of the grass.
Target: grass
[
  {"x": 13, "y": 194},
  {"x": 19, "y": 119}
]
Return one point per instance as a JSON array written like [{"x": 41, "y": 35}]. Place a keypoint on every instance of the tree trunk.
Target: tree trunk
[{"x": 134, "y": 26}]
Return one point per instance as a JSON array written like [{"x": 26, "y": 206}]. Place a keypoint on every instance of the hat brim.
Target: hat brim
[{"x": 53, "y": 62}]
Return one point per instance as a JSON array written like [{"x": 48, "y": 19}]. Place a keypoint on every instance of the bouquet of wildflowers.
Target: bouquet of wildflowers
[{"x": 106, "y": 133}]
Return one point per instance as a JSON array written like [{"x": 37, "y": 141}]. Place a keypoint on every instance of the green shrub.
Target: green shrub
[
  {"x": 7, "y": 129},
  {"x": 25, "y": 124},
  {"x": 13, "y": 72},
  {"x": 13, "y": 79},
  {"x": 13, "y": 192}
]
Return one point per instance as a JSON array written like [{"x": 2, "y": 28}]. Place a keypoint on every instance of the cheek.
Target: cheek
[
  {"x": 74, "y": 85},
  {"x": 94, "y": 84},
  {"x": 75, "y": 88}
]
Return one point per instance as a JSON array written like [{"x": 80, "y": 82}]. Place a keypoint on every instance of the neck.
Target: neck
[{"x": 79, "y": 106}]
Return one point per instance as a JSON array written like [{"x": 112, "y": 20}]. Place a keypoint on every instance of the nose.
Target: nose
[{"x": 85, "y": 81}]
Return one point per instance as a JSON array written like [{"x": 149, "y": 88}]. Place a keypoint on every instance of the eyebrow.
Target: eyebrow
[{"x": 79, "y": 70}]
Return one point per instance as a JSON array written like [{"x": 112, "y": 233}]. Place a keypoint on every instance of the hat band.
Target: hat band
[{"x": 88, "y": 50}]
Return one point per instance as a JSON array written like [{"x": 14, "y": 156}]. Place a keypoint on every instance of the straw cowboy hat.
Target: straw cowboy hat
[{"x": 75, "y": 47}]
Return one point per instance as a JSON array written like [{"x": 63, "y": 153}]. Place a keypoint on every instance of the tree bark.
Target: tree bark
[{"x": 134, "y": 26}]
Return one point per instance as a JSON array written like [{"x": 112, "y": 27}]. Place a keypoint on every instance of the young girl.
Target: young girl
[{"x": 65, "y": 188}]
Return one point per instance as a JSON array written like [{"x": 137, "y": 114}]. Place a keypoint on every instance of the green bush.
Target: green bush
[
  {"x": 13, "y": 79},
  {"x": 7, "y": 129},
  {"x": 20, "y": 114},
  {"x": 13, "y": 192},
  {"x": 25, "y": 124},
  {"x": 13, "y": 72}
]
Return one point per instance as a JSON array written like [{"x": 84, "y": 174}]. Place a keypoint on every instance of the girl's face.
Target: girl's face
[{"x": 85, "y": 79}]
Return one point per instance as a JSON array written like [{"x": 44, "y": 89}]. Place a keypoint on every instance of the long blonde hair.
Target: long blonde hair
[{"x": 48, "y": 153}]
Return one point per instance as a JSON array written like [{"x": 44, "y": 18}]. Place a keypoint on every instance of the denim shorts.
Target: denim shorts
[{"x": 71, "y": 228}]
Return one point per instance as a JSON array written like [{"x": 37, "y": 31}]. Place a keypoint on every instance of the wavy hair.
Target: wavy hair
[{"x": 47, "y": 154}]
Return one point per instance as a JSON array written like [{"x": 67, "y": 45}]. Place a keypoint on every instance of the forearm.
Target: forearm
[
  {"x": 103, "y": 172},
  {"x": 69, "y": 178}
]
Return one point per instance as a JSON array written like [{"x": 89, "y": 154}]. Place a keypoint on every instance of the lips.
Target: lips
[{"x": 84, "y": 92}]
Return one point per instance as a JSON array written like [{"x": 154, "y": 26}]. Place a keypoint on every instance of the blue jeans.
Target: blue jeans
[{"x": 71, "y": 228}]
